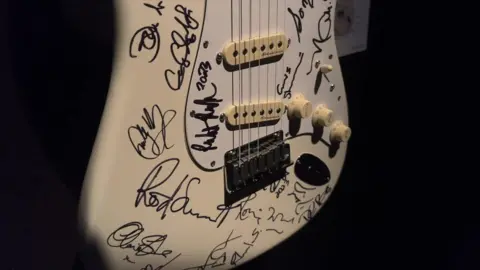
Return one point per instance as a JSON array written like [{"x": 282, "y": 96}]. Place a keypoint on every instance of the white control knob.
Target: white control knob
[
  {"x": 339, "y": 132},
  {"x": 324, "y": 68},
  {"x": 322, "y": 116},
  {"x": 299, "y": 107}
]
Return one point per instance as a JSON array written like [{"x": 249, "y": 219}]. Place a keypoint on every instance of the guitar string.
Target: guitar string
[
  {"x": 268, "y": 66},
  {"x": 258, "y": 79},
  {"x": 240, "y": 83},
  {"x": 275, "y": 44},
  {"x": 233, "y": 89},
  {"x": 283, "y": 58},
  {"x": 249, "y": 80}
]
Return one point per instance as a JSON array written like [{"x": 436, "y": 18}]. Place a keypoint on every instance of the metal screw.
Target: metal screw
[
  {"x": 317, "y": 64},
  {"x": 205, "y": 44},
  {"x": 332, "y": 86},
  {"x": 212, "y": 164},
  {"x": 192, "y": 113},
  {"x": 289, "y": 41},
  {"x": 219, "y": 58},
  {"x": 222, "y": 118}
]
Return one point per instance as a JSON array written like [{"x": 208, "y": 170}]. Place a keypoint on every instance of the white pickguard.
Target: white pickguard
[{"x": 147, "y": 191}]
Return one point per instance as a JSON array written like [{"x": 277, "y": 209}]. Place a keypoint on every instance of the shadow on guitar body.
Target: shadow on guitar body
[{"x": 316, "y": 136}]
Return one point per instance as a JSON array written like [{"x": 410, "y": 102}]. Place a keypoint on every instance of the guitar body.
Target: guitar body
[{"x": 225, "y": 131}]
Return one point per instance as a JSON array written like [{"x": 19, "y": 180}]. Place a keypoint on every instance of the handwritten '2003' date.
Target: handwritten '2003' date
[{"x": 180, "y": 47}]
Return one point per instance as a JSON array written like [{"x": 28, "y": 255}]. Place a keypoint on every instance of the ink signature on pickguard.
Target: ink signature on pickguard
[
  {"x": 288, "y": 93},
  {"x": 210, "y": 131},
  {"x": 298, "y": 17},
  {"x": 324, "y": 31}
]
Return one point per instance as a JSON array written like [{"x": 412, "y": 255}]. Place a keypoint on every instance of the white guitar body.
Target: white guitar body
[{"x": 163, "y": 188}]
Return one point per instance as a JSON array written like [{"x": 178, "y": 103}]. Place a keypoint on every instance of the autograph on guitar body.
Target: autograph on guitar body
[{"x": 225, "y": 131}]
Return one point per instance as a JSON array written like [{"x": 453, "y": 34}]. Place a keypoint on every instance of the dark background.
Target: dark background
[{"x": 55, "y": 56}]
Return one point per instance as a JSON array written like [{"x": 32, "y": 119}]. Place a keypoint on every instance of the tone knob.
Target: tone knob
[
  {"x": 339, "y": 132},
  {"x": 324, "y": 68},
  {"x": 322, "y": 116},
  {"x": 299, "y": 107}
]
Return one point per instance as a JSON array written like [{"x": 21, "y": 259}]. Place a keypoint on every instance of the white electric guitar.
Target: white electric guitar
[{"x": 224, "y": 131}]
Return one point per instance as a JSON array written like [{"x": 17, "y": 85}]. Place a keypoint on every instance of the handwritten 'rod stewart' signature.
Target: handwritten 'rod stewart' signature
[
  {"x": 150, "y": 196},
  {"x": 180, "y": 46}
]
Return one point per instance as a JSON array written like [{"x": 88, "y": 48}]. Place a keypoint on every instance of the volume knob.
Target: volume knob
[
  {"x": 322, "y": 116},
  {"x": 325, "y": 68},
  {"x": 299, "y": 107},
  {"x": 339, "y": 132}
]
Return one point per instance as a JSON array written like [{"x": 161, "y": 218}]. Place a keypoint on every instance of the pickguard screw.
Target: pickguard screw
[
  {"x": 219, "y": 58},
  {"x": 222, "y": 118},
  {"x": 289, "y": 41},
  {"x": 192, "y": 113},
  {"x": 317, "y": 64},
  {"x": 205, "y": 44},
  {"x": 332, "y": 86},
  {"x": 212, "y": 164}
]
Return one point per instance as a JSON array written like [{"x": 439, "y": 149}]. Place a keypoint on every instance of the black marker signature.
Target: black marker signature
[
  {"x": 158, "y": 8},
  {"x": 148, "y": 194},
  {"x": 145, "y": 39},
  {"x": 151, "y": 141},
  {"x": 213, "y": 259},
  {"x": 125, "y": 236},
  {"x": 245, "y": 213},
  {"x": 297, "y": 18},
  {"x": 279, "y": 186},
  {"x": 150, "y": 267},
  {"x": 278, "y": 216},
  {"x": 203, "y": 69},
  {"x": 218, "y": 256},
  {"x": 299, "y": 189},
  {"x": 311, "y": 205},
  {"x": 288, "y": 92},
  {"x": 209, "y": 132},
  {"x": 128, "y": 260},
  {"x": 236, "y": 256},
  {"x": 179, "y": 48},
  {"x": 325, "y": 22},
  {"x": 274, "y": 230}
]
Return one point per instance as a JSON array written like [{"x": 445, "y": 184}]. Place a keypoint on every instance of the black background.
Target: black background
[{"x": 55, "y": 57}]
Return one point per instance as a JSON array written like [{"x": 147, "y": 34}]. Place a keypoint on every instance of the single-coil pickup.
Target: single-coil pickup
[
  {"x": 255, "y": 113},
  {"x": 256, "y": 49}
]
